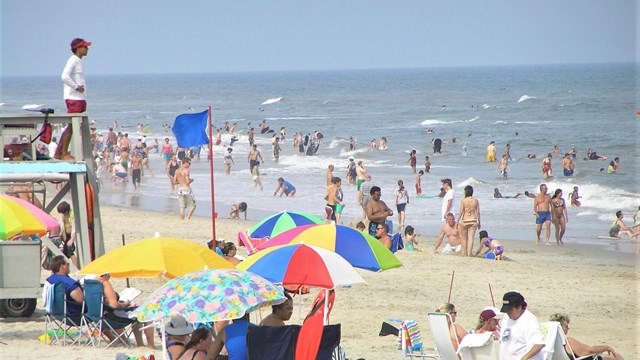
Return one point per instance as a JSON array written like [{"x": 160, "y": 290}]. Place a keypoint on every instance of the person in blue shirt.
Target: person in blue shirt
[
  {"x": 60, "y": 270},
  {"x": 234, "y": 338},
  {"x": 285, "y": 188}
]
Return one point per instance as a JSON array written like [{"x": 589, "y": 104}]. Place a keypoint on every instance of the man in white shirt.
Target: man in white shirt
[
  {"x": 74, "y": 92},
  {"x": 447, "y": 200},
  {"x": 520, "y": 335}
]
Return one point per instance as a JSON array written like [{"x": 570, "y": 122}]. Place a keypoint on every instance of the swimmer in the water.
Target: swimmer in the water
[{"x": 498, "y": 195}]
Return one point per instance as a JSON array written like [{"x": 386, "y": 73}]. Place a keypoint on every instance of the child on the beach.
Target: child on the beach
[
  {"x": 427, "y": 164},
  {"x": 491, "y": 245},
  {"x": 238, "y": 208},
  {"x": 574, "y": 196},
  {"x": 411, "y": 239},
  {"x": 228, "y": 160},
  {"x": 360, "y": 226},
  {"x": 255, "y": 174},
  {"x": 419, "y": 183}
]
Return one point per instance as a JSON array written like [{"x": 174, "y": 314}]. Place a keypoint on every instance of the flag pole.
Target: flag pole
[{"x": 213, "y": 203}]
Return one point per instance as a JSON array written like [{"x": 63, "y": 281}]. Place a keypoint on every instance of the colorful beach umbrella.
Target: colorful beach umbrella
[
  {"x": 359, "y": 249},
  {"x": 301, "y": 264},
  {"x": 157, "y": 256},
  {"x": 19, "y": 216},
  {"x": 210, "y": 295},
  {"x": 281, "y": 222}
]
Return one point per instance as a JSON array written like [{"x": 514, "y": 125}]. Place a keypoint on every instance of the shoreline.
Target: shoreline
[{"x": 591, "y": 285}]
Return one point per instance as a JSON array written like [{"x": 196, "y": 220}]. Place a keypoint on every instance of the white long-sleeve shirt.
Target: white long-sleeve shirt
[{"x": 72, "y": 77}]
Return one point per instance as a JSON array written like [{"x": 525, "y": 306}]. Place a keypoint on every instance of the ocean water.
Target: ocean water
[{"x": 532, "y": 108}]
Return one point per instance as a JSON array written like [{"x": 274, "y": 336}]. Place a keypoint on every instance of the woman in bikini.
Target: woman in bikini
[
  {"x": 560, "y": 217},
  {"x": 196, "y": 348},
  {"x": 468, "y": 220}
]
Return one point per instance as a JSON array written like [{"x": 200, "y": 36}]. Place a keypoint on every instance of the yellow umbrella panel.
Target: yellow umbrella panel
[{"x": 157, "y": 256}]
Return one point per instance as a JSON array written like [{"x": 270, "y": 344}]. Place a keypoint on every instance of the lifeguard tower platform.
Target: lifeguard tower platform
[{"x": 20, "y": 260}]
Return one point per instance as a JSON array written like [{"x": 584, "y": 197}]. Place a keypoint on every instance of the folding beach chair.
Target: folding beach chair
[
  {"x": 481, "y": 346},
  {"x": 58, "y": 324},
  {"x": 95, "y": 321},
  {"x": 269, "y": 342},
  {"x": 555, "y": 342},
  {"x": 397, "y": 243},
  {"x": 250, "y": 243},
  {"x": 440, "y": 324}
]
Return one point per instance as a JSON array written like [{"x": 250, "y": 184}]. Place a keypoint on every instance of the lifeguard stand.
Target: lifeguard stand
[{"x": 19, "y": 164}]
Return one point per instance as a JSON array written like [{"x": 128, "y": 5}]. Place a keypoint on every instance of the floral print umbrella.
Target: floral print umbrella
[{"x": 210, "y": 295}]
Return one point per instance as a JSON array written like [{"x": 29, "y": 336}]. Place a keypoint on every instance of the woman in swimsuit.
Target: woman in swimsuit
[
  {"x": 546, "y": 166},
  {"x": 196, "y": 348},
  {"x": 560, "y": 216},
  {"x": 172, "y": 167},
  {"x": 618, "y": 227},
  {"x": 468, "y": 220}
]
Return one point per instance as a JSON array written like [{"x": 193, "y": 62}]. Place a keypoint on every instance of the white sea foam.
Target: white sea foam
[
  {"x": 272, "y": 101},
  {"x": 33, "y": 107},
  {"x": 470, "y": 181},
  {"x": 500, "y": 122},
  {"x": 525, "y": 98},
  {"x": 299, "y": 118},
  {"x": 437, "y": 121}
]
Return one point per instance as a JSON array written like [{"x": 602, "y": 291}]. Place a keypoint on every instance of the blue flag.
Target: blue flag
[{"x": 190, "y": 129}]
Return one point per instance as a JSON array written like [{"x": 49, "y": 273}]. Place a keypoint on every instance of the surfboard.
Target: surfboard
[{"x": 607, "y": 237}]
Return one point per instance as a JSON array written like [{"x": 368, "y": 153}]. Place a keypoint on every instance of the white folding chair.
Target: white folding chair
[{"x": 441, "y": 324}]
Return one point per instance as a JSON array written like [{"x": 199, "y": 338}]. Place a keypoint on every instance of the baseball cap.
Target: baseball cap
[
  {"x": 511, "y": 299},
  {"x": 79, "y": 42},
  {"x": 351, "y": 158},
  {"x": 488, "y": 314}
]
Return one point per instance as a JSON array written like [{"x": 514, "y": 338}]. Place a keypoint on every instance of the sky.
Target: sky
[{"x": 202, "y": 36}]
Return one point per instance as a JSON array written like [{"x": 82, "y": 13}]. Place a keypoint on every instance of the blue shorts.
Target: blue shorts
[
  {"x": 567, "y": 172},
  {"x": 400, "y": 207},
  {"x": 543, "y": 216}
]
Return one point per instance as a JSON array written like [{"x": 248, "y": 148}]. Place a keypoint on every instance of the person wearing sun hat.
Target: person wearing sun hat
[
  {"x": 520, "y": 335},
  {"x": 178, "y": 331},
  {"x": 74, "y": 92}
]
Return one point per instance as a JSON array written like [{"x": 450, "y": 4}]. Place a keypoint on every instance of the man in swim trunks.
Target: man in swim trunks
[
  {"x": 450, "y": 230},
  {"x": 542, "y": 212},
  {"x": 567, "y": 165},
  {"x": 253, "y": 156},
  {"x": 285, "y": 188},
  {"x": 185, "y": 196},
  {"x": 377, "y": 211},
  {"x": 361, "y": 171}
]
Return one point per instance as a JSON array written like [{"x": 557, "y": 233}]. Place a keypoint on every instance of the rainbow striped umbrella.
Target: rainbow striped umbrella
[
  {"x": 19, "y": 216},
  {"x": 302, "y": 264},
  {"x": 281, "y": 222},
  {"x": 359, "y": 249}
]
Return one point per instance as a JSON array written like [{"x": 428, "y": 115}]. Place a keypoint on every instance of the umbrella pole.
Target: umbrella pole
[
  {"x": 164, "y": 341},
  {"x": 326, "y": 307},
  {"x": 123, "y": 244},
  {"x": 300, "y": 307}
]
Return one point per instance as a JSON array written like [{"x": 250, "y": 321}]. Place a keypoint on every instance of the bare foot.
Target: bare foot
[
  {"x": 547, "y": 244},
  {"x": 67, "y": 157}
]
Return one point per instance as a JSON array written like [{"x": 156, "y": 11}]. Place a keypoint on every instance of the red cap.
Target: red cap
[{"x": 78, "y": 42}]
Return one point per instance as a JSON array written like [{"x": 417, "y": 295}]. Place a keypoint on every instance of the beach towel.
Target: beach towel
[{"x": 412, "y": 335}]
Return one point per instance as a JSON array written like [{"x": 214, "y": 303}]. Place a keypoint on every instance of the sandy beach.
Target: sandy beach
[{"x": 598, "y": 289}]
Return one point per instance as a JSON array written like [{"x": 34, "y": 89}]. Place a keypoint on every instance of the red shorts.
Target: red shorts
[{"x": 76, "y": 106}]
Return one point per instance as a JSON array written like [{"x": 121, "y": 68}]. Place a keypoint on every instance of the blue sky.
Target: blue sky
[{"x": 161, "y": 36}]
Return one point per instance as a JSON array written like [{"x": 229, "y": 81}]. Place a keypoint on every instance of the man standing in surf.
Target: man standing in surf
[
  {"x": 74, "y": 92},
  {"x": 542, "y": 212}
]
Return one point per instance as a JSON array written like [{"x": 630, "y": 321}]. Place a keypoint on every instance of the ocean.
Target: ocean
[{"x": 533, "y": 108}]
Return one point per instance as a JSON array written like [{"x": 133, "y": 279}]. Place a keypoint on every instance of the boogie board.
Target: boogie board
[{"x": 426, "y": 196}]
